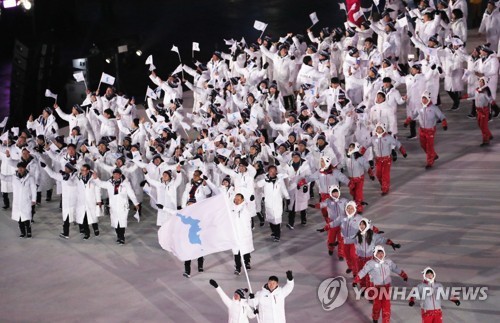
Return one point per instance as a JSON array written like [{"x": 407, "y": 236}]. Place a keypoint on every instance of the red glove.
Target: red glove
[
  {"x": 301, "y": 183},
  {"x": 356, "y": 280},
  {"x": 326, "y": 227},
  {"x": 402, "y": 150},
  {"x": 375, "y": 229},
  {"x": 362, "y": 150},
  {"x": 407, "y": 122},
  {"x": 317, "y": 206},
  {"x": 444, "y": 123},
  {"x": 404, "y": 275}
]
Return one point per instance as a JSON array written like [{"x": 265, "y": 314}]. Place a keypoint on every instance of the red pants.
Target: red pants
[
  {"x": 365, "y": 281},
  {"x": 351, "y": 257},
  {"x": 324, "y": 211},
  {"x": 356, "y": 189},
  {"x": 432, "y": 316},
  {"x": 483, "y": 115},
  {"x": 333, "y": 236},
  {"x": 383, "y": 172},
  {"x": 382, "y": 303},
  {"x": 427, "y": 143}
]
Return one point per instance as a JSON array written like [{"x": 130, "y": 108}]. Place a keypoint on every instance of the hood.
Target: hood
[
  {"x": 356, "y": 148},
  {"x": 426, "y": 95},
  {"x": 381, "y": 125},
  {"x": 377, "y": 249},
  {"x": 430, "y": 281},
  {"x": 331, "y": 189},
  {"x": 368, "y": 225},
  {"x": 353, "y": 204}
]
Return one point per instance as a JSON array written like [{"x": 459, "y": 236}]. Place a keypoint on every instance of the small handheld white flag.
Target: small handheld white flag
[
  {"x": 79, "y": 77},
  {"x": 4, "y": 122},
  {"x": 259, "y": 25},
  {"x": 137, "y": 216},
  {"x": 357, "y": 15},
  {"x": 403, "y": 22},
  {"x": 4, "y": 137},
  {"x": 149, "y": 60},
  {"x": 234, "y": 117},
  {"x": 175, "y": 49},
  {"x": 342, "y": 6},
  {"x": 108, "y": 79},
  {"x": 314, "y": 18},
  {"x": 151, "y": 93},
  {"x": 178, "y": 69},
  {"x": 50, "y": 94},
  {"x": 196, "y": 47},
  {"x": 229, "y": 42}
]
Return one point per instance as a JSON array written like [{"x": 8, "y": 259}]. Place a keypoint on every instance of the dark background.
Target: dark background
[{"x": 70, "y": 29}]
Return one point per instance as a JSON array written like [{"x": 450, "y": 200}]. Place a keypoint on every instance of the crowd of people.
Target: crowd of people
[{"x": 273, "y": 123}]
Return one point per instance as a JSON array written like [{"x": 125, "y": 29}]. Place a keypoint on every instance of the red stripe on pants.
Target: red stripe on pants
[
  {"x": 426, "y": 136},
  {"x": 483, "y": 116},
  {"x": 334, "y": 235},
  {"x": 324, "y": 211},
  {"x": 383, "y": 172},
  {"x": 382, "y": 303},
  {"x": 351, "y": 257},
  {"x": 356, "y": 189},
  {"x": 432, "y": 316},
  {"x": 365, "y": 281}
]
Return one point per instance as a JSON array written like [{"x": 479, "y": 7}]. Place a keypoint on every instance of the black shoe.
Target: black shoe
[
  {"x": 186, "y": 275},
  {"x": 348, "y": 271},
  {"x": 28, "y": 235},
  {"x": 341, "y": 258},
  {"x": 262, "y": 224},
  {"x": 436, "y": 157},
  {"x": 62, "y": 235},
  {"x": 454, "y": 108},
  {"x": 289, "y": 226},
  {"x": 276, "y": 239},
  {"x": 471, "y": 116},
  {"x": 5, "y": 207},
  {"x": 248, "y": 267},
  {"x": 121, "y": 242},
  {"x": 411, "y": 137},
  {"x": 200, "y": 269},
  {"x": 96, "y": 233},
  {"x": 384, "y": 193},
  {"x": 86, "y": 237},
  {"x": 22, "y": 236},
  {"x": 484, "y": 144},
  {"x": 237, "y": 272},
  {"x": 48, "y": 199},
  {"x": 330, "y": 252},
  {"x": 428, "y": 166}
]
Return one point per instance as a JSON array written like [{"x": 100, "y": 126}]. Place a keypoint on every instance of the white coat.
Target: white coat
[
  {"x": 489, "y": 67},
  {"x": 490, "y": 27},
  {"x": 272, "y": 304},
  {"x": 69, "y": 193},
  {"x": 166, "y": 194},
  {"x": 118, "y": 203},
  {"x": 239, "y": 311},
  {"x": 283, "y": 71},
  {"x": 274, "y": 193},
  {"x": 242, "y": 225},
  {"x": 24, "y": 194},
  {"x": 89, "y": 195},
  {"x": 80, "y": 121},
  {"x": 6, "y": 169},
  {"x": 453, "y": 66},
  {"x": 298, "y": 198}
]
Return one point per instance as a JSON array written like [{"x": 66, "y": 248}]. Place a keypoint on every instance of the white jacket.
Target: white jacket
[
  {"x": 88, "y": 196},
  {"x": 239, "y": 311},
  {"x": 24, "y": 194},
  {"x": 274, "y": 193},
  {"x": 242, "y": 225},
  {"x": 118, "y": 203},
  {"x": 271, "y": 305}
]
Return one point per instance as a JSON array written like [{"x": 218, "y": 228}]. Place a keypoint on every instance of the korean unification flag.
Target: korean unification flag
[
  {"x": 50, "y": 94},
  {"x": 196, "y": 47},
  {"x": 314, "y": 18},
  {"x": 151, "y": 93},
  {"x": 259, "y": 25},
  {"x": 79, "y": 77},
  {"x": 193, "y": 232},
  {"x": 108, "y": 79}
]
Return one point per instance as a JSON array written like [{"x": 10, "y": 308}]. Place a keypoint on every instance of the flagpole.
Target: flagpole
[
  {"x": 262, "y": 33},
  {"x": 85, "y": 82},
  {"x": 241, "y": 255}
]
